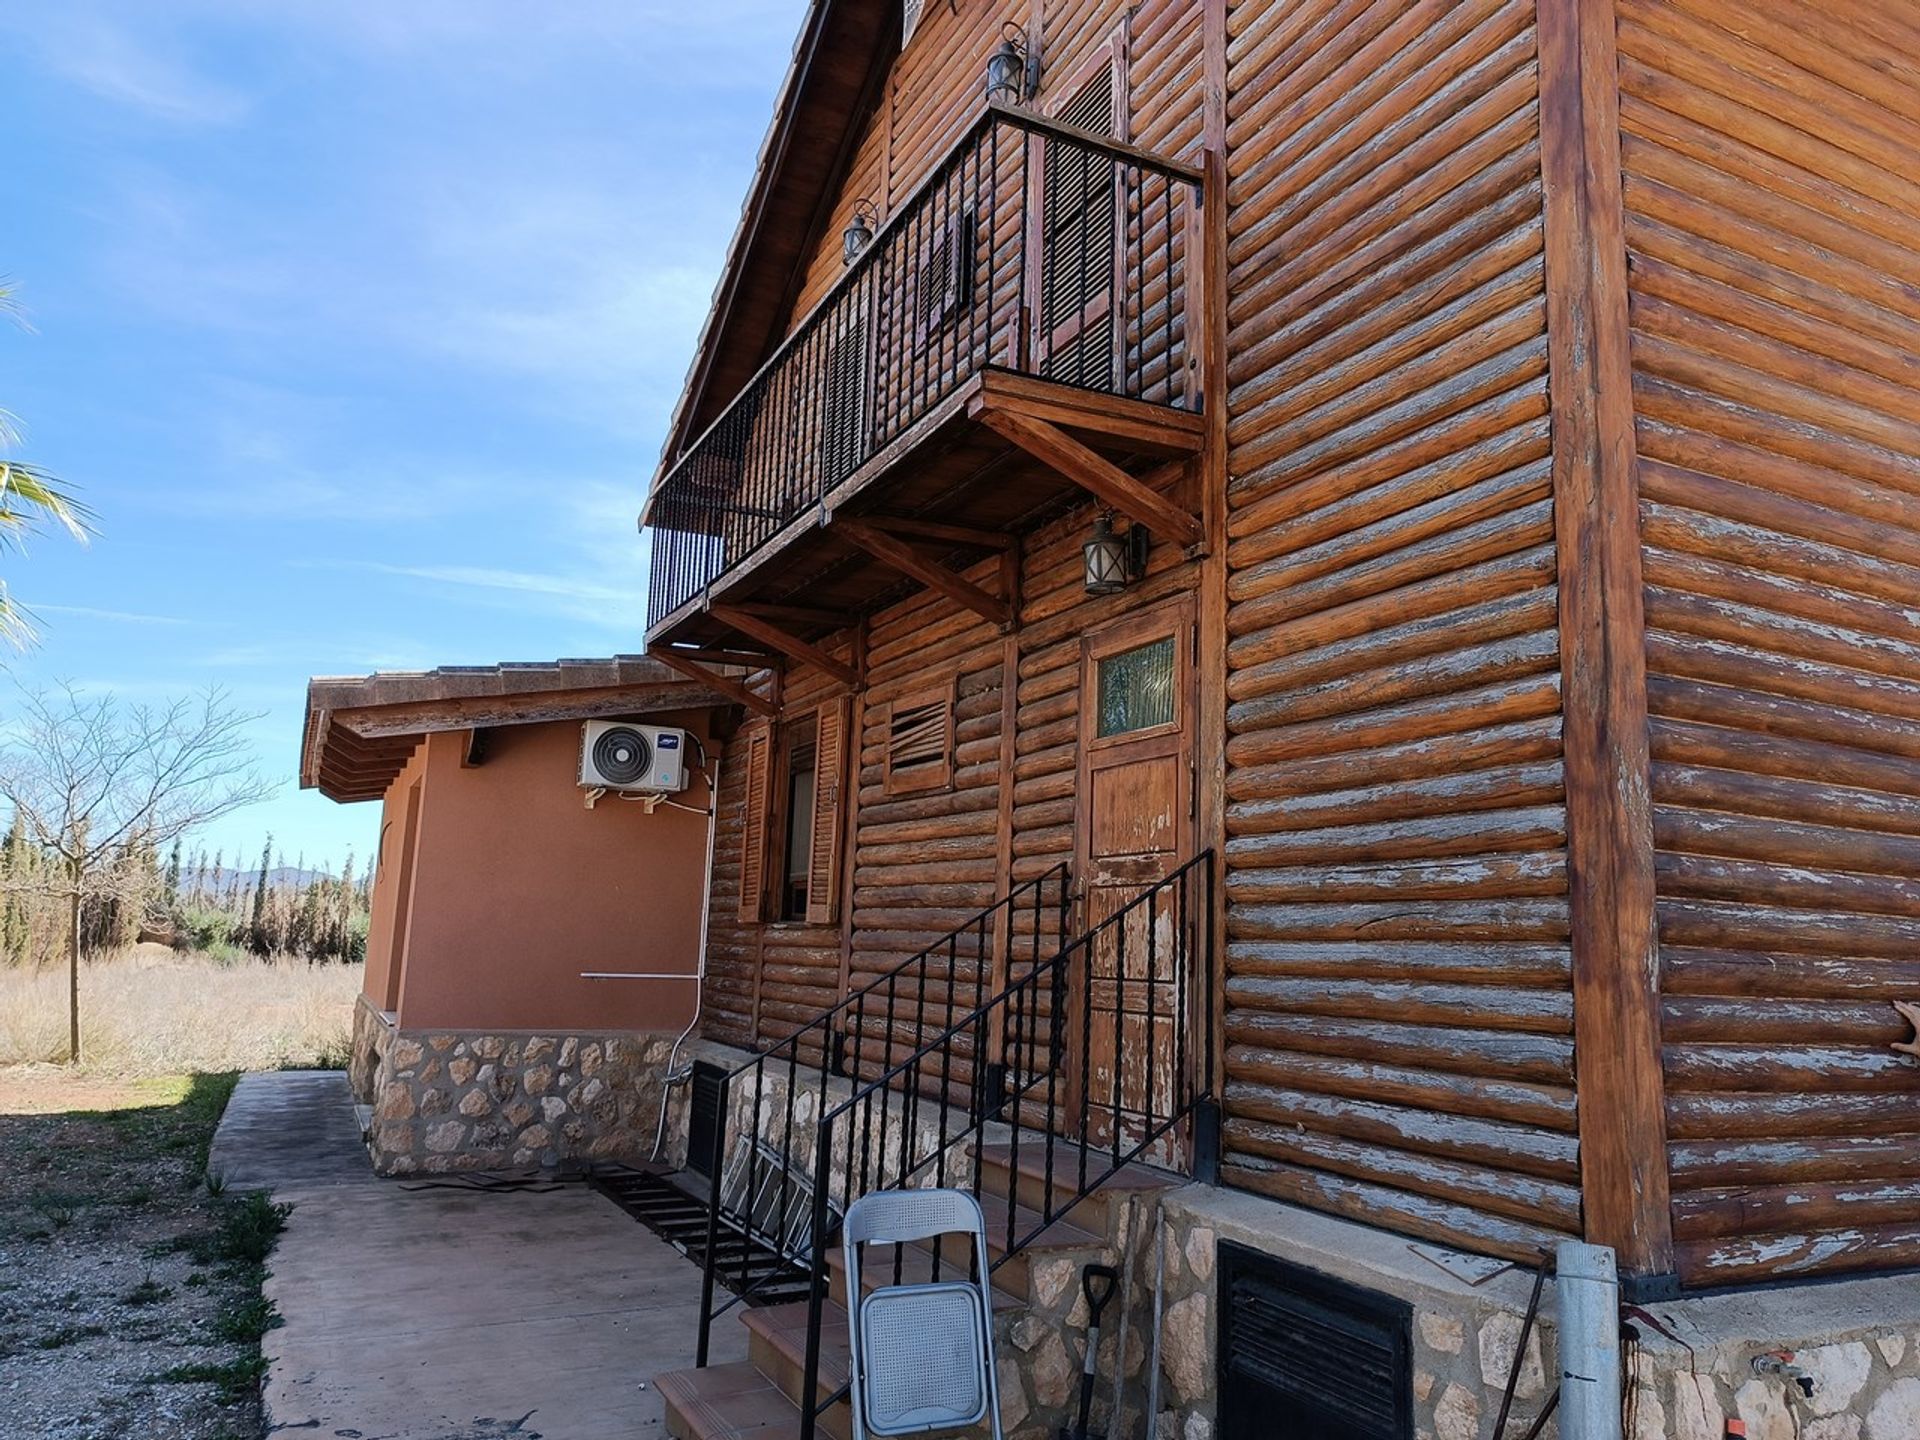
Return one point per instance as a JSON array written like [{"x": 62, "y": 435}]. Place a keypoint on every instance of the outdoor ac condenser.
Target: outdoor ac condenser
[{"x": 619, "y": 755}]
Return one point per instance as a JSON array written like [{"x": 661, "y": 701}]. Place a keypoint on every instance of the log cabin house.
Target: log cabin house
[{"x": 1329, "y": 591}]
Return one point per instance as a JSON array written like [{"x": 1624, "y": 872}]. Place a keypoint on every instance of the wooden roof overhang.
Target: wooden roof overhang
[
  {"x": 834, "y": 83},
  {"x": 361, "y": 731},
  {"x": 1002, "y": 455}
]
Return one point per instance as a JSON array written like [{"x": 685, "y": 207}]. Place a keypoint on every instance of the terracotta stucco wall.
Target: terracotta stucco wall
[
  {"x": 518, "y": 888},
  {"x": 382, "y": 957}
]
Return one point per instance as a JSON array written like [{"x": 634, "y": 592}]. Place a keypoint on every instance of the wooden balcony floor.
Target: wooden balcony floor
[{"x": 950, "y": 469}]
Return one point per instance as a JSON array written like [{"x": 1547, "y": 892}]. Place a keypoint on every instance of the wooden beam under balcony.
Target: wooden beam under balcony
[
  {"x": 730, "y": 688},
  {"x": 936, "y": 498},
  {"x": 1095, "y": 474},
  {"x": 751, "y": 620},
  {"x": 901, "y": 556}
]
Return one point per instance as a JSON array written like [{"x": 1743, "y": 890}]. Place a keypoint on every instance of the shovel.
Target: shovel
[{"x": 1098, "y": 1282}]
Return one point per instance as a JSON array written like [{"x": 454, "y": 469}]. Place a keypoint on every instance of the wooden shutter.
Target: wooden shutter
[
  {"x": 843, "y": 421},
  {"x": 920, "y": 741},
  {"x": 756, "y": 748},
  {"x": 1080, "y": 235},
  {"x": 944, "y": 283},
  {"x": 829, "y": 783}
]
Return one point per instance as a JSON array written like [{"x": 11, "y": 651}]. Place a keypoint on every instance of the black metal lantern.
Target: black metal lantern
[
  {"x": 1013, "y": 70},
  {"x": 1113, "y": 562},
  {"x": 859, "y": 232}
]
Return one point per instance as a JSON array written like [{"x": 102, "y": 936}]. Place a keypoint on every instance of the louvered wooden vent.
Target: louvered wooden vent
[
  {"x": 920, "y": 741},
  {"x": 1333, "y": 1358}
]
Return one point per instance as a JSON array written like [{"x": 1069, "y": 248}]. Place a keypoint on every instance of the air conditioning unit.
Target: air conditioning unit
[{"x": 619, "y": 755}]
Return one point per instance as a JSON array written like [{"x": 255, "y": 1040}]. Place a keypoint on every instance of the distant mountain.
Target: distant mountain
[{"x": 227, "y": 880}]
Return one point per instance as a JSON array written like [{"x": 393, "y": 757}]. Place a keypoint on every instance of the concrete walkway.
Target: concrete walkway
[{"x": 416, "y": 1311}]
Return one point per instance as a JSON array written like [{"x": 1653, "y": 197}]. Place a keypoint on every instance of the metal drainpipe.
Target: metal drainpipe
[
  {"x": 673, "y": 1079},
  {"x": 1589, "y": 1294}
]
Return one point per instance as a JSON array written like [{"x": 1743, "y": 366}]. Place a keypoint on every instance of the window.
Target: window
[
  {"x": 920, "y": 741},
  {"x": 801, "y": 757},
  {"x": 790, "y": 852},
  {"x": 1135, "y": 689}
]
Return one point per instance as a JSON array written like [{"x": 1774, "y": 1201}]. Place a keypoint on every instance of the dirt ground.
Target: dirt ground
[{"x": 129, "y": 1296}]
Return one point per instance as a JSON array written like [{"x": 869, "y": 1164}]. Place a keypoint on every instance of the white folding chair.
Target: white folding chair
[{"x": 922, "y": 1354}]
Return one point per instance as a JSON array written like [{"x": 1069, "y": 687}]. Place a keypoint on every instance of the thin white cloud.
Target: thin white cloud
[
  {"x": 140, "y": 72},
  {"x": 589, "y": 601},
  {"x": 118, "y": 617}
]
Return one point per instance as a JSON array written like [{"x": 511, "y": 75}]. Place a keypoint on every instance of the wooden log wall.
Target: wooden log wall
[
  {"x": 925, "y": 863},
  {"x": 1398, "y": 1000},
  {"x": 1773, "y": 230}
]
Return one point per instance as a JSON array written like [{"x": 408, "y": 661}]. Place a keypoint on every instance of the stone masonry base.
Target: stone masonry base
[
  {"x": 1690, "y": 1361},
  {"x": 447, "y": 1101}
]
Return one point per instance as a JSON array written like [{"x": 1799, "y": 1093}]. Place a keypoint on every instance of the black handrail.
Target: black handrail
[
  {"x": 1171, "y": 922},
  {"x": 1083, "y": 279},
  {"x": 889, "y": 1014}
]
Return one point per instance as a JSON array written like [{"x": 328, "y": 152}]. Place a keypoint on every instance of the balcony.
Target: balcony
[{"x": 1019, "y": 337}]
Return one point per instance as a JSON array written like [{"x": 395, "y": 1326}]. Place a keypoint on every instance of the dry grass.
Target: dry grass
[{"x": 152, "y": 1012}]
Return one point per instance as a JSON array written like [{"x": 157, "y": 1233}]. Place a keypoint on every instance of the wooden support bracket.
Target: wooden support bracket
[
  {"x": 929, "y": 572},
  {"x": 935, "y": 530},
  {"x": 731, "y": 688},
  {"x": 1097, "y": 475},
  {"x": 749, "y": 621}
]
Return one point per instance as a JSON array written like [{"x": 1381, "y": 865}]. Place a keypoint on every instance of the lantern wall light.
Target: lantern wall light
[
  {"x": 1013, "y": 70},
  {"x": 859, "y": 232},
  {"x": 1112, "y": 561}
]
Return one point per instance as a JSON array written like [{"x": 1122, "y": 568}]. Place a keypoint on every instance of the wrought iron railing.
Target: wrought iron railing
[
  {"x": 1050, "y": 1088},
  {"x": 765, "y": 1121},
  {"x": 1033, "y": 246}
]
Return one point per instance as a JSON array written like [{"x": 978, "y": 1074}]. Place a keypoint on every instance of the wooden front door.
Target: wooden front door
[{"x": 1135, "y": 821}]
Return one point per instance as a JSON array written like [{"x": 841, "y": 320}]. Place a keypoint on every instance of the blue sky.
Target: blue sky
[{"x": 358, "y": 322}]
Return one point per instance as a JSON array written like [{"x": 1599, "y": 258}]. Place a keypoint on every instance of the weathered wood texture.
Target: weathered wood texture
[
  {"x": 1399, "y": 1016},
  {"x": 1610, "y": 882},
  {"x": 1772, "y": 221},
  {"x": 925, "y": 862}
]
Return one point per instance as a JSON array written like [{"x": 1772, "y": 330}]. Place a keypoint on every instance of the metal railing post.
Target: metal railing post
[
  {"x": 715, "y": 1169},
  {"x": 816, "y": 1293}
]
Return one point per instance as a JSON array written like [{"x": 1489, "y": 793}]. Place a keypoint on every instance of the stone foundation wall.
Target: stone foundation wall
[
  {"x": 450, "y": 1101},
  {"x": 372, "y": 1033},
  {"x": 1690, "y": 1361}
]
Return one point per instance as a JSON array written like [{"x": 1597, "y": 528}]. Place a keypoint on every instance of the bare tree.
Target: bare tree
[{"x": 101, "y": 787}]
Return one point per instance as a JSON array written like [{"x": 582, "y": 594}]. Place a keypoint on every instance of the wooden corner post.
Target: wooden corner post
[{"x": 1623, "y": 1151}]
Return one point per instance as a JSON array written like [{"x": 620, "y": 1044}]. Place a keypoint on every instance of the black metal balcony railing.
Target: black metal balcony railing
[{"x": 1033, "y": 247}]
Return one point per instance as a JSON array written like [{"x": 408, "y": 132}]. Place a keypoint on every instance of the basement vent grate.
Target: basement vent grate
[
  {"x": 1308, "y": 1356},
  {"x": 703, "y": 1119}
]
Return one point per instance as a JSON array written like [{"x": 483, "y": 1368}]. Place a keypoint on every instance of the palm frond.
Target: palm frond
[
  {"x": 16, "y": 623},
  {"x": 29, "y": 498}
]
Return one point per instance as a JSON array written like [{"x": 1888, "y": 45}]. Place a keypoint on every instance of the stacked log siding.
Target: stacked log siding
[
  {"x": 1772, "y": 215},
  {"x": 1399, "y": 1014}
]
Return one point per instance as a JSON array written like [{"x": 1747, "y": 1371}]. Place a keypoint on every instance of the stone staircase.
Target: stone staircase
[{"x": 1036, "y": 1292}]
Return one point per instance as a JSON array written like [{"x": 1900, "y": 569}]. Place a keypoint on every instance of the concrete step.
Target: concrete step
[
  {"x": 1023, "y": 1173},
  {"x": 777, "y": 1346},
  {"x": 727, "y": 1402}
]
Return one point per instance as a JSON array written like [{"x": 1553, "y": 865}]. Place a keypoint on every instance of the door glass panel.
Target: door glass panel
[{"x": 1136, "y": 688}]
